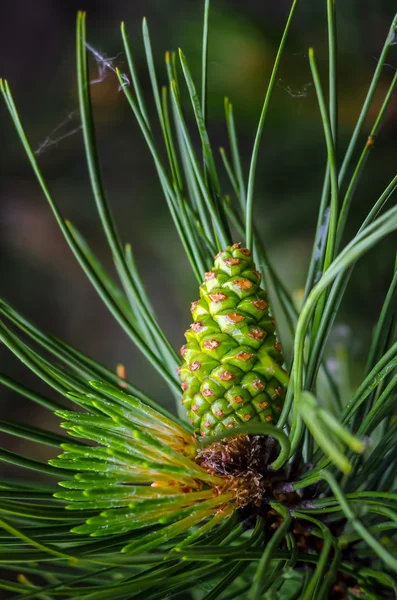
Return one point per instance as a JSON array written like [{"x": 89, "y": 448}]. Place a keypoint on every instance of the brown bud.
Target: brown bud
[
  {"x": 256, "y": 334},
  {"x": 209, "y": 275},
  {"x": 235, "y": 318},
  {"x": 183, "y": 350},
  {"x": 207, "y": 393},
  {"x": 238, "y": 399},
  {"x": 211, "y": 344},
  {"x": 236, "y": 246},
  {"x": 193, "y": 305},
  {"x": 197, "y": 327},
  {"x": 217, "y": 297},
  {"x": 244, "y": 356},
  {"x": 260, "y": 304},
  {"x": 246, "y": 251},
  {"x": 269, "y": 418},
  {"x": 264, "y": 405},
  {"x": 219, "y": 413},
  {"x": 243, "y": 284},
  {"x": 195, "y": 366},
  {"x": 184, "y": 386},
  {"x": 258, "y": 384},
  {"x": 231, "y": 262},
  {"x": 278, "y": 346},
  {"x": 226, "y": 376},
  {"x": 256, "y": 273}
]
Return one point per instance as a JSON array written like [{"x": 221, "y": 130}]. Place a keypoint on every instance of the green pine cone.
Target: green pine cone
[{"x": 232, "y": 371}]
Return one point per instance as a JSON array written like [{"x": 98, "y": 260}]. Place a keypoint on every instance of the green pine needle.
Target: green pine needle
[{"x": 133, "y": 503}]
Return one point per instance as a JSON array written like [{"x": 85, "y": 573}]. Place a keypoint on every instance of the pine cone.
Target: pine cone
[{"x": 232, "y": 371}]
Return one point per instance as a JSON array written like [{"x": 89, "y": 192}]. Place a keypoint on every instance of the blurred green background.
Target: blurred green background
[{"x": 38, "y": 273}]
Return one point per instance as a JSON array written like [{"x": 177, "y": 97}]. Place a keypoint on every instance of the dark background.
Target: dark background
[{"x": 39, "y": 275}]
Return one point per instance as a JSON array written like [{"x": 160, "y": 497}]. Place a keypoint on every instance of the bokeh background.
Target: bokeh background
[{"x": 38, "y": 273}]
